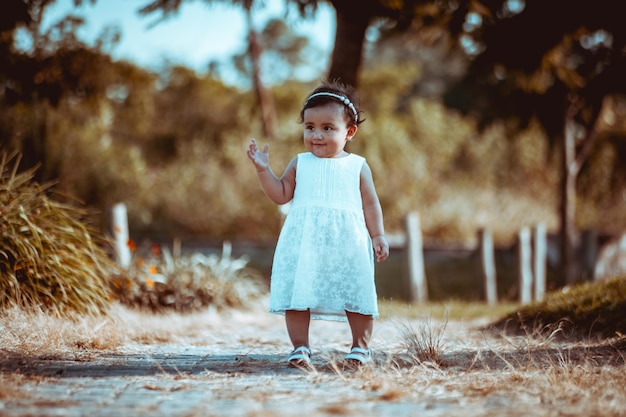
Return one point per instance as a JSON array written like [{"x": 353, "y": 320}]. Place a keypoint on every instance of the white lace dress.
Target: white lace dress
[{"x": 324, "y": 259}]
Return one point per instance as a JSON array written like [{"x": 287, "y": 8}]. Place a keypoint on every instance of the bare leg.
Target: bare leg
[
  {"x": 298, "y": 327},
  {"x": 361, "y": 326}
]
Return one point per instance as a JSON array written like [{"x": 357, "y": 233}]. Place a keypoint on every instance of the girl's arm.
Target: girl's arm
[
  {"x": 373, "y": 214},
  {"x": 279, "y": 190}
]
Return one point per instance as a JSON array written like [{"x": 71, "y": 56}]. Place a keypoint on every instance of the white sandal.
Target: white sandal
[
  {"x": 360, "y": 355},
  {"x": 301, "y": 356}
]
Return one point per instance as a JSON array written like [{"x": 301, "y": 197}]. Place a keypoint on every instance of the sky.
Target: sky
[{"x": 198, "y": 34}]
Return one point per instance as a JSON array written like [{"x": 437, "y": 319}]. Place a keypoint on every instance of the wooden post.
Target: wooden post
[
  {"x": 419, "y": 288},
  {"x": 489, "y": 266},
  {"x": 120, "y": 232},
  {"x": 589, "y": 253},
  {"x": 524, "y": 265},
  {"x": 177, "y": 248},
  {"x": 540, "y": 260}
]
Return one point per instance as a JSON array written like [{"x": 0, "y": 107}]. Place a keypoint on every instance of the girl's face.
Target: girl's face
[{"x": 326, "y": 132}]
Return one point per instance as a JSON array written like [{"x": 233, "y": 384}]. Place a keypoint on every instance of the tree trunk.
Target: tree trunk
[
  {"x": 352, "y": 22},
  {"x": 573, "y": 159},
  {"x": 266, "y": 101},
  {"x": 568, "y": 205}
]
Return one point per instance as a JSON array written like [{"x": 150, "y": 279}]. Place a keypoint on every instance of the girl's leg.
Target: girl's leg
[
  {"x": 361, "y": 326},
  {"x": 298, "y": 327}
]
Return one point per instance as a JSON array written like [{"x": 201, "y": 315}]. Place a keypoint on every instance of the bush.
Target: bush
[
  {"x": 157, "y": 281},
  {"x": 49, "y": 258}
]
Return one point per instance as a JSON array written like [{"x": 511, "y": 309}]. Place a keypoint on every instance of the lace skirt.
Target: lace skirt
[{"x": 324, "y": 262}]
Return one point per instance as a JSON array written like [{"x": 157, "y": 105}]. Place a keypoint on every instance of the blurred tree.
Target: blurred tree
[
  {"x": 283, "y": 52},
  {"x": 266, "y": 101},
  {"x": 266, "y": 104},
  {"x": 353, "y": 20},
  {"x": 559, "y": 62},
  {"x": 56, "y": 67},
  {"x": 437, "y": 61},
  {"x": 15, "y": 14},
  {"x": 186, "y": 108}
]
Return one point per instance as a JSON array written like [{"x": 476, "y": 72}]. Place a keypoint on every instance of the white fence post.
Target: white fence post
[
  {"x": 540, "y": 259},
  {"x": 419, "y": 287},
  {"x": 489, "y": 266},
  {"x": 120, "y": 232},
  {"x": 524, "y": 265}
]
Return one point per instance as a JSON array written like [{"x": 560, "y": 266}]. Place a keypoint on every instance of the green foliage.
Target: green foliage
[
  {"x": 585, "y": 310},
  {"x": 174, "y": 151},
  {"x": 434, "y": 161},
  {"x": 49, "y": 258},
  {"x": 172, "y": 147},
  {"x": 158, "y": 281}
]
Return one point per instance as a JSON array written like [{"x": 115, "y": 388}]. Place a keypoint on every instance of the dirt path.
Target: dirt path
[{"x": 234, "y": 365}]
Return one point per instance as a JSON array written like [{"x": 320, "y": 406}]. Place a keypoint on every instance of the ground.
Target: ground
[{"x": 232, "y": 363}]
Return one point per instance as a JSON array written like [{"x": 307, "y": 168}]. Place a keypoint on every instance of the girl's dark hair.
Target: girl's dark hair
[{"x": 352, "y": 117}]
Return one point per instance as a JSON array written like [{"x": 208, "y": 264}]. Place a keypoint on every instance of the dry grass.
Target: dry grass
[
  {"x": 591, "y": 309},
  {"x": 49, "y": 258},
  {"x": 10, "y": 385},
  {"x": 502, "y": 375},
  {"x": 488, "y": 374},
  {"x": 158, "y": 281},
  {"x": 40, "y": 334},
  {"x": 450, "y": 309},
  {"x": 425, "y": 343}
]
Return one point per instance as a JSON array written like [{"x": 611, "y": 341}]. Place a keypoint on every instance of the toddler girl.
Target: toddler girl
[{"x": 324, "y": 260}]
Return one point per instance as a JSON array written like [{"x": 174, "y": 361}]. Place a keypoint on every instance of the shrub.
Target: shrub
[
  {"x": 50, "y": 258},
  {"x": 158, "y": 281}
]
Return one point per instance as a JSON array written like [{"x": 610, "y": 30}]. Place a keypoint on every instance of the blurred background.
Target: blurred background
[{"x": 482, "y": 114}]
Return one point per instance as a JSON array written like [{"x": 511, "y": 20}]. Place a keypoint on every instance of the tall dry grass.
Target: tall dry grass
[
  {"x": 52, "y": 260},
  {"x": 31, "y": 333},
  {"x": 37, "y": 333},
  {"x": 49, "y": 257}
]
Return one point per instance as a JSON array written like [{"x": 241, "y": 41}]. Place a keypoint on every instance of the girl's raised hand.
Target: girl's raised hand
[{"x": 259, "y": 158}]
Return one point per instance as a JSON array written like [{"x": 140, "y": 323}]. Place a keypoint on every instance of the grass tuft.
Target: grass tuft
[
  {"x": 49, "y": 258},
  {"x": 425, "y": 344},
  {"x": 592, "y": 309}
]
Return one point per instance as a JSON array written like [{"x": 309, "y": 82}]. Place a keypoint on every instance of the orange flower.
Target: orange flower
[
  {"x": 156, "y": 251},
  {"x": 153, "y": 269},
  {"x": 132, "y": 246},
  {"x": 149, "y": 283}
]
